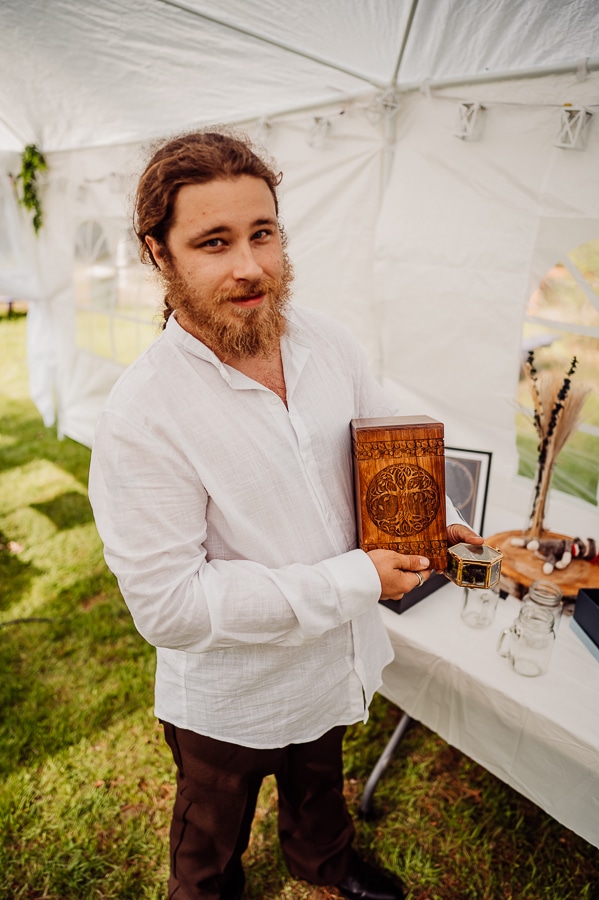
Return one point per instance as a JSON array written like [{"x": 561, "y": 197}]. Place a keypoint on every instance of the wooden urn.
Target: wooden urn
[{"x": 399, "y": 481}]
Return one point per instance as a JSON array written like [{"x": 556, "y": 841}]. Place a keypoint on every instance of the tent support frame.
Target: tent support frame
[{"x": 591, "y": 64}]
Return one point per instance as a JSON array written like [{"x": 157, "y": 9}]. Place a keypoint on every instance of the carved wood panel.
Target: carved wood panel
[{"x": 399, "y": 478}]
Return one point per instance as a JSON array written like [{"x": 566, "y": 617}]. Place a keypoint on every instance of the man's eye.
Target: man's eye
[
  {"x": 213, "y": 242},
  {"x": 260, "y": 235}
]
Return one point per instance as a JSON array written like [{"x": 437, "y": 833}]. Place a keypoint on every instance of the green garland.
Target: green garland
[{"x": 32, "y": 162}]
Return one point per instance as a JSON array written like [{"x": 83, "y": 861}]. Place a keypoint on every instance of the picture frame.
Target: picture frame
[{"x": 467, "y": 474}]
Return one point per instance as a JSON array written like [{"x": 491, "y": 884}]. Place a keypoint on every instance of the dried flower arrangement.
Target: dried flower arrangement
[{"x": 557, "y": 405}]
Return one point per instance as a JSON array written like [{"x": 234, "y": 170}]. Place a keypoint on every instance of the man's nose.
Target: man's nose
[{"x": 246, "y": 267}]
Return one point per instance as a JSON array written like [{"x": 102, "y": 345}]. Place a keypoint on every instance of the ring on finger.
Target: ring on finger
[{"x": 420, "y": 579}]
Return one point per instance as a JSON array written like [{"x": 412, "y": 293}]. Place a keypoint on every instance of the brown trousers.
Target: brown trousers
[{"x": 217, "y": 790}]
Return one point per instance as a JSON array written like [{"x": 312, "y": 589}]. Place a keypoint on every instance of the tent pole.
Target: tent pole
[
  {"x": 404, "y": 42},
  {"x": 390, "y": 120},
  {"x": 591, "y": 64},
  {"x": 389, "y": 130}
]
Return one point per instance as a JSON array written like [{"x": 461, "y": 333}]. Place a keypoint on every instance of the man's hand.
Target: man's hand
[
  {"x": 456, "y": 534},
  {"x": 397, "y": 572}
]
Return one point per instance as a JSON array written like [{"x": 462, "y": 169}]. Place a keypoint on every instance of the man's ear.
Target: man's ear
[{"x": 156, "y": 250}]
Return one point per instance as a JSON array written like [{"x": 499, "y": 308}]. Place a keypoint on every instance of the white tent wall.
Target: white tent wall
[
  {"x": 89, "y": 184},
  {"x": 467, "y": 230},
  {"x": 331, "y": 197},
  {"x": 18, "y": 247},
  {"x": 37, "y": 270}
]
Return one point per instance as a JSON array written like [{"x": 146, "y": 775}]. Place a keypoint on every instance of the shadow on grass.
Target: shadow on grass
[
  {"x": 33, "y": 442},
  {"x": 89, "y": 647},
  {"x": 15, "y": 575},
  {"x": 67, "y": 510}
]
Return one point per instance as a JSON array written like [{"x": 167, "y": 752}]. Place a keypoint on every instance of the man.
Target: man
[{"x": 221, "y": 481}]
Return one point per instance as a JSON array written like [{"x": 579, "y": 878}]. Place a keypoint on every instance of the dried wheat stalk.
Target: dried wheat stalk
[{"x": 557, "y": 404}]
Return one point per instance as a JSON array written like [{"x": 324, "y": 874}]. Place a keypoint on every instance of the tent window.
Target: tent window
[
  {"x": 562, "y": 321},
  {"x": 116, "y": 300}
]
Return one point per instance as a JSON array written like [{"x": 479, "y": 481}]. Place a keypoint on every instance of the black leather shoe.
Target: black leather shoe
[{"x": 364, "y": 882}]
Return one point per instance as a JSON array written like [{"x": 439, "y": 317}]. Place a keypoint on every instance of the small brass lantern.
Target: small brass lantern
[{"x": 473, "y": 566}]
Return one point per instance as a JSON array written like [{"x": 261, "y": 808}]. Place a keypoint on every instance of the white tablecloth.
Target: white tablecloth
[{"x": 539, "y": 735}]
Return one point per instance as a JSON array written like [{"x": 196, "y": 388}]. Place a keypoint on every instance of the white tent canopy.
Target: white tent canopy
[
  {"x": 85, "y": 73},
  {"x": 427, "y": 246}
]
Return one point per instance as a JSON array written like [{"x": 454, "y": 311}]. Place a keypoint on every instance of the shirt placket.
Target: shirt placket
[{"x": 295, "y": 356}]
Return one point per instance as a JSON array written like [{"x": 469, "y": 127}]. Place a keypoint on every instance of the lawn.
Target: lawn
[{"x": 86, "y": 784}]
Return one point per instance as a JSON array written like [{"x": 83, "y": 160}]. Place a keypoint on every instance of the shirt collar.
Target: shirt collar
[{"x": 295, "y": 347}]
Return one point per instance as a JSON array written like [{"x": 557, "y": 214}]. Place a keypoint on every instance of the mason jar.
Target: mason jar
[
  {"x": 528, "y": 643},
  {"x": 546, "y": 595}
]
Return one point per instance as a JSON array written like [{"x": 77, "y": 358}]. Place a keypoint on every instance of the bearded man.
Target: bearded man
[{"x": 221, "y": 482}]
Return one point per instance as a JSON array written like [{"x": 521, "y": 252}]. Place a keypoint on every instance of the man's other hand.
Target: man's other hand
[{"x": 456, "y": 534}]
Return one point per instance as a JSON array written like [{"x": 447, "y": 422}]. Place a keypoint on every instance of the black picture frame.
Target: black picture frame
[{"x": 467, "y": 474}]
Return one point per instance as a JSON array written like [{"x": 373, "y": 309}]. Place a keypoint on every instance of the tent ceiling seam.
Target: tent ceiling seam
[
  {"x": 404, "y": 42},
  {"x": 184, "y": 7}
]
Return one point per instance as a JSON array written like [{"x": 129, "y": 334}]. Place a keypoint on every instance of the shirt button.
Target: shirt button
[{"x": 274, "y": 400}]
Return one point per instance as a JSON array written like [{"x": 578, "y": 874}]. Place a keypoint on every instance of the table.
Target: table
[{"x": 539, "y": 735}]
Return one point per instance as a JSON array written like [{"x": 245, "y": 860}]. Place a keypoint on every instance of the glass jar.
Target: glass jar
[
  {"x": 528, "y": 643},
  {"x": 546, "y": 595},
  {"x": 478, "y": 607}
]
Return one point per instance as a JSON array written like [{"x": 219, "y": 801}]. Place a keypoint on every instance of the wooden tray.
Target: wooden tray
[{"x": 520, "y": 567}]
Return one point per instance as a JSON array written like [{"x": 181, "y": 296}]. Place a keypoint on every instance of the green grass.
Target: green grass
[{"x": 86, "y": 782}]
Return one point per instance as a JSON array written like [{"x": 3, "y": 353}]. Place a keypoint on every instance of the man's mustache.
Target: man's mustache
[{"x": 256, "y": 289}]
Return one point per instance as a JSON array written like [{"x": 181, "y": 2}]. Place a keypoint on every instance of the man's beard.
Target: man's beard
[{"x": 229, "y": 330}]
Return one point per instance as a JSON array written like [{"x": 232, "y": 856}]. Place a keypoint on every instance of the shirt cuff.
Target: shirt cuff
[{"x": 357, "y": 581}]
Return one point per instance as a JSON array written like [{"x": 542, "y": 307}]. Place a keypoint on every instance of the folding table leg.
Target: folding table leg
[{"x": 384, "y": 759}]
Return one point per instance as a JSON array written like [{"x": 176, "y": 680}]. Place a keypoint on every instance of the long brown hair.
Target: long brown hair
[{"x": 193, "y": 158}]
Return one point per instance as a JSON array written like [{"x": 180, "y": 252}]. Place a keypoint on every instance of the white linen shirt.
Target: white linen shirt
[{"x": 229, "y": 522}]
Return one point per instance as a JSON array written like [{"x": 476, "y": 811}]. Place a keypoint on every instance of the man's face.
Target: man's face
[{"x": 226, "y": 272}]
